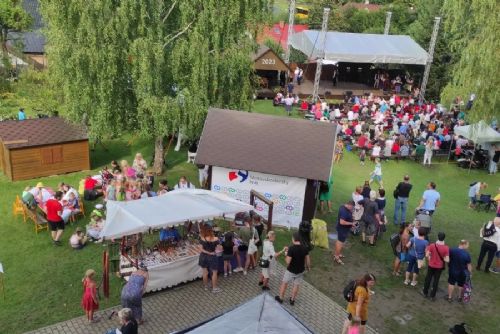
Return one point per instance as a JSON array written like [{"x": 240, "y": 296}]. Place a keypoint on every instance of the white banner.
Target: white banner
[{"x": 287, "y": 193}]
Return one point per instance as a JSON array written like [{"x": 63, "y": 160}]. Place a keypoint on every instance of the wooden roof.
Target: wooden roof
[
  {"x": 267, "y": 144},
  {"x": 266, "y": 59},
  {"x": 40, "y": 131}
]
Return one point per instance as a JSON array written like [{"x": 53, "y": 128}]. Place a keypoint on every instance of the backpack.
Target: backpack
[
  {"x": 349, "y": 290},
  {"x": 459, "y": 329},
  {"x": 488, "y": 232},
  {"x": 395, "y": 239}
]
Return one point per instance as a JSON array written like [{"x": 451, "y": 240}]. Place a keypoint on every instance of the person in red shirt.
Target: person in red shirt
[
  {"x": 91, "y": 190},
  {"x": 437, "y": 253},
  {"x": 56, "y": 223}
]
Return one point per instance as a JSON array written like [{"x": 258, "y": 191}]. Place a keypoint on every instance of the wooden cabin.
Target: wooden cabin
[{"x": 41, "y": 147}]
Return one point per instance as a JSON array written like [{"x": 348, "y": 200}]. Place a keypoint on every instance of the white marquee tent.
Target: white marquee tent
[
  {"x": 361, "y": 48},
  {"x": 261, "y": 315},
  {"x": 479, "y": 133},
  {"x": 176, "y": 207}
]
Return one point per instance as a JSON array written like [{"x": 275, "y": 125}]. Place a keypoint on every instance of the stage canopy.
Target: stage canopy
[
  {"x": 261, "y": 315},
  {"x": 176, "y": 207},
  {"x": 479, "y": 133},
  {"x": 361, "y": 48}
]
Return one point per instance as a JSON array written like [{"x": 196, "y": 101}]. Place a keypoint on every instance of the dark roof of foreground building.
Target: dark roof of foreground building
[
  {"x": 40, "y": 131},
  {"x": 267, "y": 144}
]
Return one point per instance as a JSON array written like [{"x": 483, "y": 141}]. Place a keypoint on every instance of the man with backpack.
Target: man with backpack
[
  {"x": 490, "y": 233},
  {"x": 460, "y": 267},
  {"x": 438, "y": 255}
]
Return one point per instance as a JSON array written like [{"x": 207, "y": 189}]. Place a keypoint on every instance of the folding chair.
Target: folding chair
[
  {"x": 81, "y": 211},
  {"x": 484, "y": 203},
  {"x": 18, "y": 208}
]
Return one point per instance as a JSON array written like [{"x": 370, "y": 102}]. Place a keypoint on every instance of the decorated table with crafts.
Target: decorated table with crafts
[{"x": 168, "y": 263}]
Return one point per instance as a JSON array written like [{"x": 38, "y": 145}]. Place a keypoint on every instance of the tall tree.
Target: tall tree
[
  {"x": 151, "y": 66},
  {"x": 12, "y": 18},
  {"x": 421, "y": 30},
  {"x": 472, "y": 27}
]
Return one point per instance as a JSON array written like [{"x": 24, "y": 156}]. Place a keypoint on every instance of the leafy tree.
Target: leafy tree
[
  {"x": 472, "y": 27},
  {"x": 12, "y": 18},
  {"x": 150, "y": 66}
]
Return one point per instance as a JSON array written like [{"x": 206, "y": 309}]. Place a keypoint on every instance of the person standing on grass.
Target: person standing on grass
[
  {"x": 416, "y": 251},
  {"x": 460, "y": 266},
  {"x": 400, "y": 248},
  {"x": 90, "y": 302},
  {"x": 376, "y": 175},
  {"x": 491, "y": 235},
  {"x": 370, "y": 218},
  {"x": 358, "y": 308},
  {"x": 438, "y": 255},
  {"x": 429, "y": 145},
  {"x": 54, "y": 211},
  {"x": 401, "y": 195},
  {"x": 289, "y": 103},
  {"x": 344, "y": 224},
  {"x": 430, "y": 199},
  {"x": 297, "y": 260}
]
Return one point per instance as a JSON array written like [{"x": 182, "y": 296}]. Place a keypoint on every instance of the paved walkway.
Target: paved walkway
[{"x": 189, "y": 304}]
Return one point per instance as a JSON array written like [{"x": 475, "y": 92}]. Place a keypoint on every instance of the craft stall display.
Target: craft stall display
[{"x": 169, "y": 262}]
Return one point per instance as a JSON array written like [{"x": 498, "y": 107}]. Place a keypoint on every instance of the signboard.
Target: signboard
[{"x": 287, "y": 193}]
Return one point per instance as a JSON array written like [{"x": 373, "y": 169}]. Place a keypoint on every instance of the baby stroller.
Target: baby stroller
[{"x": 484, "y": 203}]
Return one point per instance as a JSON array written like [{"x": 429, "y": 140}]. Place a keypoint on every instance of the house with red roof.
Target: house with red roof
[{"x": 279, "y": 33}]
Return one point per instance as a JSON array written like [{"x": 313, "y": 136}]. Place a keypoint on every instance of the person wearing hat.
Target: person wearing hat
[
  {"x": 78, "y": 239},
  {"x": 41, "y": 194},
  {"x": 344, "y": 224},
  {"x": 96, "y": 223}
]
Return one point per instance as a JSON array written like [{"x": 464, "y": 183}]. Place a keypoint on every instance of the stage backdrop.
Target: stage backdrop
[{"x": 287, "y": 193}]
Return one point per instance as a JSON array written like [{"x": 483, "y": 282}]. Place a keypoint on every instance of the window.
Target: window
[{"x": 51, "y": 155}]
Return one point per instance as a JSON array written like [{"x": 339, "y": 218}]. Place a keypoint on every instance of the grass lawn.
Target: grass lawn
[{"x": 42, "y": 282}]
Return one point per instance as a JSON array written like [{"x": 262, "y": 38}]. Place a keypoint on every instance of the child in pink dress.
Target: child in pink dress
[{"x": 90, "y": 303}]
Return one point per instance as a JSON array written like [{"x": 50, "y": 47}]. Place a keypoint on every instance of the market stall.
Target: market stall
[{"x": 173, "y": 260}]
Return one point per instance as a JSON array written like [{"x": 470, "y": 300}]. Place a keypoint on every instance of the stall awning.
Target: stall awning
[
  {"x": 361, "y": 48},
  {"x": 176, "y": 207},
  {"x": 479, "y": 133}
]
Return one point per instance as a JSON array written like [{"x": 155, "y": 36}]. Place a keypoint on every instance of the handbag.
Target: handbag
[
  {"x": 252, "y": 247},
  {"x": 263, "y": 263}
]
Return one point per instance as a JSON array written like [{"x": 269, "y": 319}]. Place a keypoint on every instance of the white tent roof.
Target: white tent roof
[
  {"x": 479, "y": 133},
  {"x": 257, "y": 316},
  {"x": 125, "y": 218},
  {"x": 361, "y": 48}
]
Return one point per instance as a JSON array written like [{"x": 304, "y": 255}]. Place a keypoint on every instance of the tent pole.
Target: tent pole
[
  {"x": 427, "y": 70},
  {"x": 291, "y": 18},
  {"x": 321, "y": 56},
  {"x": 387, "y": 23}
]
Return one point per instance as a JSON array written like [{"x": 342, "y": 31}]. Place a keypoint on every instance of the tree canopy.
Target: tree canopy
[
  {"x": 472, "y": 27},
  {"x": 151, "y": 66}
]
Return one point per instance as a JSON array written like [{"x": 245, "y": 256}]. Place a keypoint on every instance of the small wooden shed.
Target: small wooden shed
[{"x": 41, "y": 147}]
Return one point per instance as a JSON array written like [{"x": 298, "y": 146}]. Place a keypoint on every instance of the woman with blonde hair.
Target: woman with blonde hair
[
  {"x": 268, "y": 259},
  {"x": 90, "y": 303},
  {"x": 140, "y": 165},
  {"x": 127, "y": 171}
]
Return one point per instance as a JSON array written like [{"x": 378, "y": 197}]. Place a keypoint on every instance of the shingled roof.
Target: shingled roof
[
  {"x": 267, "y": 144},
  {"x": 40, "y": 131}
]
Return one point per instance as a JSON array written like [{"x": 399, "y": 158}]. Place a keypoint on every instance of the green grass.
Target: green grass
[{"x": 43, "y": 282}]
